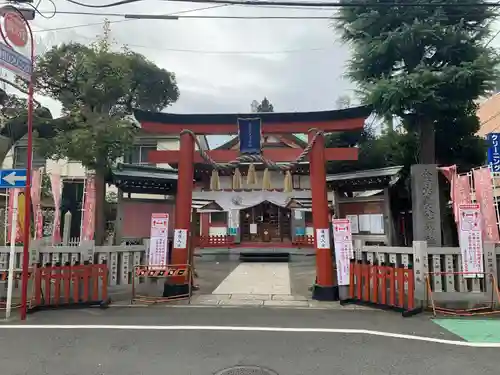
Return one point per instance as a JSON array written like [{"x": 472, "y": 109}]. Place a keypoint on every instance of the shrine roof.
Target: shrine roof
[
  {"x": 267, "y": 117},
  {"x": 370, "y": 179},
  {"x": 141, "y": 179}
]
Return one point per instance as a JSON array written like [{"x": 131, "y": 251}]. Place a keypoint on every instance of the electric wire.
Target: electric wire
[{"x": 308, "y": 4}]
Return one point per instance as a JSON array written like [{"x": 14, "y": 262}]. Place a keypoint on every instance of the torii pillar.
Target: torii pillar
[
  {"x": 325, "y": 288},
  {"x": 183, "y": 200}
]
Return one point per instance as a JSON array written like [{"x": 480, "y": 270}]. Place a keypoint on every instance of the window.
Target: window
[
  {"x": 21, "y": 158},
  {"x": 139, "y": 155},
  {"x": 218, "y": 217}
]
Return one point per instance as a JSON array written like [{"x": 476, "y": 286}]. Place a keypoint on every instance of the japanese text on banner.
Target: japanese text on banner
[
  {"x": 158, "y": 244},
  {"x": 342, "y": 240},
  {"x": 471, "y": 244}
]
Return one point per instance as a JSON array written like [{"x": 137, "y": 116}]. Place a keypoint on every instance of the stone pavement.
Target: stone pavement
[{"x": 268, "y": 300}]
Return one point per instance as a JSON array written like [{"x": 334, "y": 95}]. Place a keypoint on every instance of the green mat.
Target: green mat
[{"x": 473, "y": 330}]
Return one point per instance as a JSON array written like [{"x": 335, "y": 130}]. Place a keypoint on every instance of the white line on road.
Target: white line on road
[{"x": 257, "y": 329}]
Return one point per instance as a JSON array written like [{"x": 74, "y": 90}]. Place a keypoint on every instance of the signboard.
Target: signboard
[
  {"x": 250, "y": 134},
  {"x": 158, "y": 243},
  {"x": 344, "y": 252},
  {"x": 493, "y": 140},
  {"x": 471, "y": 242},
  {"x": 15, "y": 62},
  {"x": 323, "y": 238},
  {"x": 14, "y": 32},
  {"x": 180, "y": 239},
  {"x": 12, "y": 178}
]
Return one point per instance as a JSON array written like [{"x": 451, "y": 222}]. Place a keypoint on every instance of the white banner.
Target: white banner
[
  {"x": 471, "y": 241},
  {"x": 342, "y": 240},
  {"x": 158, "y": 244}
]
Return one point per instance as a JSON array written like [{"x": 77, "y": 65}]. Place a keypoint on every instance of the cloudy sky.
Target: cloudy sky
[{"x": 221, "y": 65}]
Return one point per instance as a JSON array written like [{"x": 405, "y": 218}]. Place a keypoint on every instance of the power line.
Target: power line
[
  {"x": 214, "y": 52},
  {"x": 303, "y": 3},
  {"x": 120, "y": 15}
]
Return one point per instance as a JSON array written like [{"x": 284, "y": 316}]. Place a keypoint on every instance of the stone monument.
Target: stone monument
[{"x": 425, "y": 204}]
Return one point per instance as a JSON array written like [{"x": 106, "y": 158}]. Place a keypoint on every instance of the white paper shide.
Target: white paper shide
[
  {"x": 344, "y": 252},
  {"x": 158, "y": 245},
  {"x": 471, "y": 242}
]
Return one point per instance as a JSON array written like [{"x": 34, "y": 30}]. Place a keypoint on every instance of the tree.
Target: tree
[
  {"x": 98, "y": 88},
  {"x": 425, "y": 64},
  {"x": 14, "y": 121},
  {"x": 265, "y": 106}
]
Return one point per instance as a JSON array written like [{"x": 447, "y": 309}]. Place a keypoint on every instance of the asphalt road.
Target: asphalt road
[{"x": 152, "y": 341}]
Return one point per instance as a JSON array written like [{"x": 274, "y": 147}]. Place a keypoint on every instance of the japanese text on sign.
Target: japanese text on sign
[
  {"x": 471, "y": 243},
  {"x": 158, "y": 244},
  {"x": 494, "y": 151},
  {"x": 180, "y": 239},
  {"x": 342, "y": 240},
  {"x": 323, "y": 238}
]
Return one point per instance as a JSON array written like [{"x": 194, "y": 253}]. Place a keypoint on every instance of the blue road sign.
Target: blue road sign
[
  {"x": 12, "y": 178},
  {"x": 16, "y": 62},
  {"x": 493, "y": 140}
]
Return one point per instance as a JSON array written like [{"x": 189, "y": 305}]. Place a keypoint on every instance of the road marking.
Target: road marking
[{"x": 254, "y": 329}]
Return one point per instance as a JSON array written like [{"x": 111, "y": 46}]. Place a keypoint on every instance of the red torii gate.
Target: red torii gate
[{"x": 350, "y": 119}]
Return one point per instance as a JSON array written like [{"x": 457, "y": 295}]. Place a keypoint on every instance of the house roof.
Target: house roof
[
  {"x": 290, "y": 137},
  {"x": 144, "y": 179},
  {"x": 370, "y": 179}
]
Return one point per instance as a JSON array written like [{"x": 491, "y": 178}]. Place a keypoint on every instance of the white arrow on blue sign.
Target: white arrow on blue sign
[{"x": 12, "y": 178}]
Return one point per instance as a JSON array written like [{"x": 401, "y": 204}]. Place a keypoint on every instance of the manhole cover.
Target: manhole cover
[{"x": 246, "y": 370}]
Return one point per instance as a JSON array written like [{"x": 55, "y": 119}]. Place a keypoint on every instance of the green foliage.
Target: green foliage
[
  {"x": 424, "y": 64},
  {"x": 265, "y": 106},
  {"x": 99, "y": 88}
]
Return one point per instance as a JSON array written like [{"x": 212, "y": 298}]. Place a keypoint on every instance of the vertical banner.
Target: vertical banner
[
  {"x": 470, "y": 236},
  {"x": 158, "y": 243},
  {"x": 493, "y": 140},
  {"x": 250, "y": 134},
  {"x": 88, "y": 217},
  {"x": 484, "y": 196},
  {"x": 451, "y": 175},
  {"x": 344, "y": 251},
  {"x": 233, "y": 222},
  {"x": 55, "y": 182},
  {"x": 463, "y": 191},
  {"x": 20, "y": 215},
  {"x": 36, "y": 196}
]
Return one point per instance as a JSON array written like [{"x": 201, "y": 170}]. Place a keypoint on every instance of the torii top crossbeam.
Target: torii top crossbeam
[{"x": 272, "y": 122}]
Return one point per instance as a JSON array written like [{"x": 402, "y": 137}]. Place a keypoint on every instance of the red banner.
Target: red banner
[
  {"x": 462, "y": 192},
  {"x": 88, "y": 217},
  {"x": 451, "y": 175},
  {"x": 55, "y": 182},
  {"x": 484, "y": 196},
  {"x": 19, "y": 216},
  {"x": 36, "y": 196}
]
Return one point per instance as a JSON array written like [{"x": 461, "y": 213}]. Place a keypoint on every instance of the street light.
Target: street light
[{"x": 25, "y": 15}]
